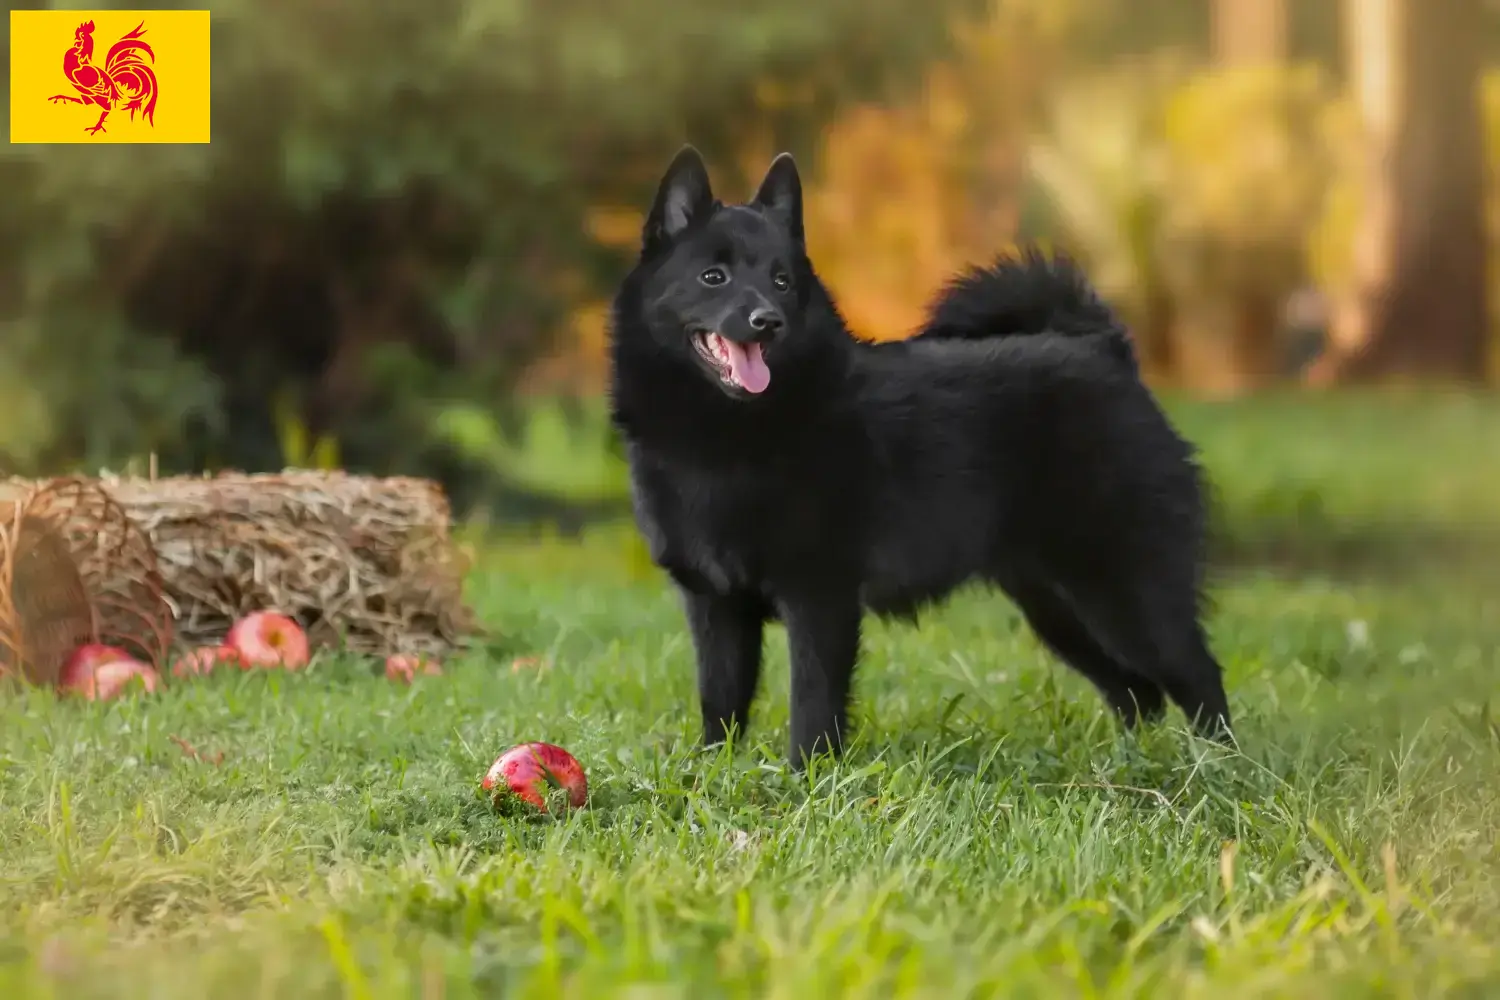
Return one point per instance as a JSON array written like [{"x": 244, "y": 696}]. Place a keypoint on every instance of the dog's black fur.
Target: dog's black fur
[{"x": 1011, "y": 441}]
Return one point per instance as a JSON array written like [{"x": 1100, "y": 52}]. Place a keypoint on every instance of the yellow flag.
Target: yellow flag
[{"x": 109, "y": 76}]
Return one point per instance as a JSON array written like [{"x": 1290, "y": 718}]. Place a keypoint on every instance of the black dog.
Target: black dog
[{"x": 782, "y": 469}]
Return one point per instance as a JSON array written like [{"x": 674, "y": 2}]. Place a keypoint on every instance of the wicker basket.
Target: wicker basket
[{"x": 74, "y": 568}]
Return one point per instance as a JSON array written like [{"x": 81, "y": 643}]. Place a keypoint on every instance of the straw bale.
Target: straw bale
[{"x": 363, "y": 563}]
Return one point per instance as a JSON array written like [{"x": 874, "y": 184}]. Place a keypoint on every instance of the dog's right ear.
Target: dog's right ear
[
  {"x": 781, "y": 192},
  {"x": 683, "y": 198}
]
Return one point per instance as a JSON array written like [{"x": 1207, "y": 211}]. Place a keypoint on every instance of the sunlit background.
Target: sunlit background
[{"x": 397, "y": 251}]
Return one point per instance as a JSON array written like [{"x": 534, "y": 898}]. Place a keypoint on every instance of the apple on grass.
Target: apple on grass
[
  {"x": 268, "y": 639},
  {"x": 99, "y": 672},
  {"x": 528, "y": 772},
  {"x": 405, "y": 667},
  {"x": 204, "y": 659}
]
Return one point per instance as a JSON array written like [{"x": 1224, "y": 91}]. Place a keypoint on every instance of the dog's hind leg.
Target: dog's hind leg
[
  {"x": 1149, "y": 620},
  {"x": 1193, "y": 678},
  {"x": 727, "y": 634},
  {"x": 1055, "y": 623}
]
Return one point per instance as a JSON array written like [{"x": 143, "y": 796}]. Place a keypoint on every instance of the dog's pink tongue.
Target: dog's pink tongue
[{"x": 747, "y": 367}]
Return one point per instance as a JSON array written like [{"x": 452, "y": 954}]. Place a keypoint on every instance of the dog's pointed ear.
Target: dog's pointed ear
[
  {"x": 683, "y": 198},
  {"x": 781, "y": 192}
]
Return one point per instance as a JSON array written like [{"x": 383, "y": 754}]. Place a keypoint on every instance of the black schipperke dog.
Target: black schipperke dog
[{"x": 782, "y": 469}]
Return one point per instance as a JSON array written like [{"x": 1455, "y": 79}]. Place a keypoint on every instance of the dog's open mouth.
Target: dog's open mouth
[{"x": 739, "y": 365}]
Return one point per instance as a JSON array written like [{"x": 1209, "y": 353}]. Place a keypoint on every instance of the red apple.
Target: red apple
[
  {"x": 100, "y": 672},
  {"x": 203, "y": 660},
  {"x": 267, "y": 639},
  {"x": 404, "y": 667},
  {"x": 77, "y": 674},
  {"x": 114, "y": 677},
  {"x": 526, "y": 772}
]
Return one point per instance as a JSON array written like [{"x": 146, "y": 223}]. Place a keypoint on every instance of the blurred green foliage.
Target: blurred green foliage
[
  {"x": 390, "y": 219},
  {"x": 559, "y": 446},
  {"x": 397, "y": 214},
  {"x": 1247, "y": 169},
  {"x": 1100, "y": 164}
]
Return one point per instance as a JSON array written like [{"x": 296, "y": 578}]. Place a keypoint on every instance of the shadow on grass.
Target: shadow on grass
[
  {"x": 1359, "y": 553},
  {"x": 1352, "y": 553},
  {"x": 568, "y": 517},
  {"x": 1292, "y": 544}
]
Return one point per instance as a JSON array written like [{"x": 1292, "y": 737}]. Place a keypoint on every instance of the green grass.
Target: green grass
[{"x": 990, "y": 834}]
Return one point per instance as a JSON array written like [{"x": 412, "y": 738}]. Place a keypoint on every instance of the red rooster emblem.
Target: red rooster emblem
[{"x": 125, "y": 75}]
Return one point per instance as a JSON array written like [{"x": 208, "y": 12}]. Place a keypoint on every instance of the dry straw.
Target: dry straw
[
  {"x": 365, "y": 564},
  {"x": 362, "y": 562}
]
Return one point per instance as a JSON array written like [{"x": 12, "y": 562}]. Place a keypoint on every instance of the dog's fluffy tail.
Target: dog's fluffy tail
[{"x": 1023, "y": 295}]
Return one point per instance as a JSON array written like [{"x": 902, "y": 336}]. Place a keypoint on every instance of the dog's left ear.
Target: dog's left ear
[
  {"x": 781, "y": 193},
  {"x": 683, "y": 198}
]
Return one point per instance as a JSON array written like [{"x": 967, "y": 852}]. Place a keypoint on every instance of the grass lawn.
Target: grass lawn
[{"x": 991, "y": 833}]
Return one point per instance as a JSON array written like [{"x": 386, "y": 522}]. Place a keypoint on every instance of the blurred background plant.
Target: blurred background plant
[{"x": 396, "y": 253}]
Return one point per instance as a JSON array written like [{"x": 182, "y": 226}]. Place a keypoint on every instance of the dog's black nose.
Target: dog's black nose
[{"x": 765, "y": 320}]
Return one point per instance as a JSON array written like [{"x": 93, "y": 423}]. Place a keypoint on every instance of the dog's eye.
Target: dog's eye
[
  {"x": 781, "y": 281},
  {"x": 713, "y": 276}
]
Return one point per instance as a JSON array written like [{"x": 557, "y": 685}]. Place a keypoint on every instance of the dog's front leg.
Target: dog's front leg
[
  {"x": 727, "y": 631},
  {"x": 823, "y": 636}
]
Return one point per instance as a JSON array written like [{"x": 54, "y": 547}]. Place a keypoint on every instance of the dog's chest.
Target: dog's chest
[{"x": 722, "y": 530}]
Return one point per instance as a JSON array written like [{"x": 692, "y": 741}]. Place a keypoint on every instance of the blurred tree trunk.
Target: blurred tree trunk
[
  {"x": 1156, "y": 333},
  {"x": 1418, "y": 306}
]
